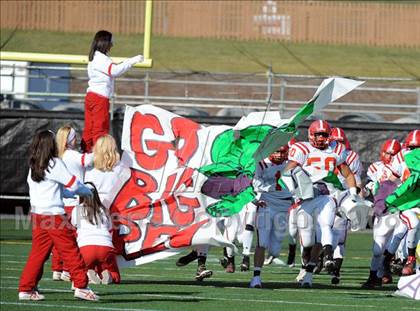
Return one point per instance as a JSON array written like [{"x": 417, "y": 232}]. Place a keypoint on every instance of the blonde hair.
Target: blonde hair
[
  {"x": 105, "y": 153},
  {"x": 61, "y": 139}
]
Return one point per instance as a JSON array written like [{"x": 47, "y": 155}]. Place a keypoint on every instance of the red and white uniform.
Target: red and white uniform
[
  {"x": 355, "y": 166},
  {"x": 104, "y": 181},
  {"x": 319, "y": 212},
  {"x": 379, "y": 172},
  {"x": 102, "y": 72},
  {"x": 95, "y": 242},
  {"x": 51, "y": 228},
  {"x": 271, "y": 220},
  {"x": 398, "y": 166}
]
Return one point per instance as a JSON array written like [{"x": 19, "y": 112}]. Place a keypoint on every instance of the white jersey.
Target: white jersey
[
  {"x": 355, "y": 166},
  {"x": 89, "y": 234},
  {"x": 103, "y": 181},
  {"x": 399, "y": 167},
  {"x": 379, "y": 172},
  {"x": 102, "y": 71},
  {"x": 76, "y": 163},
  {"x": 47, "y": 195},
  {"x": 315, "y": 161},
  {"x": 266, "y": 181}
]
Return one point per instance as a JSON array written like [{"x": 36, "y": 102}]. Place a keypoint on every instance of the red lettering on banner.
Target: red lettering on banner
[
  {"x": 185, "y": 130},
  {"x": 139, "y": 123}
]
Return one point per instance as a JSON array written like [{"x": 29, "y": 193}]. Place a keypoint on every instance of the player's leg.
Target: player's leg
[
  {"x": 247, "y": 235},
  {"x": 305, "y": 223},
  {"x": 202, "y": 271},
  {"x": 232, "y": 226},
  {"x": 340, "y": 234},
  {"x": 411, "y": 220},
  {"x": 278, "y": 233},
  {"x": 292, "y": 237},
  {"x": 325, "y": 220}
]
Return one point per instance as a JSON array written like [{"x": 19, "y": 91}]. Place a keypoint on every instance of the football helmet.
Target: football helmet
[
  {"x": 337, "y": 134},
  {"x": 413, "y": 139},
  {"x": 319, "y": 133},
  {"x": 389, "y": 149}
]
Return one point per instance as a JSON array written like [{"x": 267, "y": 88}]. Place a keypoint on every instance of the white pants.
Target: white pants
[
  {"x": 235, "y": 224},
  {"x": 341, "y": 225},
  {"x": 293, "y": 229},
  {"x": 388, "y": 231},
  {"x": 315, "y": 218},
  {"x": 271, "y": 225},
  {"x": 411, "y": 220}
]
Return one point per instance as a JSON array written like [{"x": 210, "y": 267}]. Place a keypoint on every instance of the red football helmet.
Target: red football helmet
[
  {"x": 319, "y": 133},
  {"x": 389, "y": 149},
  {"x": 337, "y": 134},
  {"x": 413, "y": 139},
  {"x": 279, "y": 156}
]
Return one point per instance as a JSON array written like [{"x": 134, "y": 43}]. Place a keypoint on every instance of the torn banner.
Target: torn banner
[{"x": 181, "y": 176}]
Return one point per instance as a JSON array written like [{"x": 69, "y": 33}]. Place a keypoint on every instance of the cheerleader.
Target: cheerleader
[{"x": 47, "y": 178}]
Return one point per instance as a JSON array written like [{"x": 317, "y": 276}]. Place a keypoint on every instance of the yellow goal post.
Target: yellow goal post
[{"x": 83, "y": 59}]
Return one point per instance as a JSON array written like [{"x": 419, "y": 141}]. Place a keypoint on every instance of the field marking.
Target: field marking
[
  {"x": 17, "y": 242},
  {"x": 37, "y": 304},
  {"x": 241, "y": 300}
]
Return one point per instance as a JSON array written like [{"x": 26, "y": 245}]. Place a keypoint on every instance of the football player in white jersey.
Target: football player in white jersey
[
  {"x": 341, "y": 223},
  {"x": 409, "y": 217},
  {"x": 272, "y": 219},
  {"x": 388, "y": 230},
  {"x": 317, "y": 208}
]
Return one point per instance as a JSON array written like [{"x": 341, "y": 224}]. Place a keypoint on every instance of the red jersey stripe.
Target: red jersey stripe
[
  {"x": 71, "y": 182},
  {"x": 109, "y": 69}
]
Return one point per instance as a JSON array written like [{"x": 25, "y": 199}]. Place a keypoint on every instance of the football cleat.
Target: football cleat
[
  {"x": 319, "y": 265},
  {"x": 387, "y": 279},
  {"x": 268, "y": 260},
  {"x": 255, "y": 282},
  {"x": 307, "y": 280},
  {"x": 372, "y": 282},
  {"x": 33, "y": 295},
  {"x": 185, "y": 260},
  {"x": 203, "y": 273},
  {"x": 56, "y": 276},
  {"x": 245, "y": 264},
  {"x": 278, "y": 262},
  {"x": 335, "y": 279},
  {"x": 396, "y": 267},
  {"x": 301, "y": 275},
  {"x": 85, "y": 294},
  {"x": 409, "y": 268},
  {"x": 329, "y": 265}
]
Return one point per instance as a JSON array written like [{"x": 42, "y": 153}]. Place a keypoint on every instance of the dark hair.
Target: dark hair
[
  {"x": 93, "y": 206},
  {"x": 102, "y": 42},
  {"x": 42, "y": 150}
]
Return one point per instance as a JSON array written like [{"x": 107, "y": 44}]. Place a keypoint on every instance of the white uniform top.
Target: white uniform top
[
  {"x": 379, "y": 172},
  {"x": 316, "y": 161},
  {"x": 89, "y": 234},
  {"x": 47, "y": 195},
  {"x": 266, "y": 181},
  {"x": 399, "y": 167},
  {"x": 355, "y": 166},
  {"x": 104, "y": 181},
  {"x": 76, "y": 163},
  {"x": 102, "y": 71}
]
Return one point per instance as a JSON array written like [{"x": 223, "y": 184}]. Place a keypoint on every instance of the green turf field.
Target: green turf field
[
  {"x": 163, "y": 286},
  {"x": 190, "y": 54}
]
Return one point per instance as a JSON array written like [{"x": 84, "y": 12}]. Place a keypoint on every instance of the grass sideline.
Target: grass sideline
[
  {"x": 233, "y": 56},
  {"x": 163, "y": 286}
]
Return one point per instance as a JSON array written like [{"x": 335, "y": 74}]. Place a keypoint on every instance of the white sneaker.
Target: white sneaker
[
  {"x": 278, "y": 261},
  {"x": 65, "y": 276},
  {"x": 93, "y": 277},
  {"x": 307, "y": 280},
  {"x": 86, "y": 294},
  {"x": 56, "y": 276},
  {"x": 33, "y": 295},
  {"x": 268, "y": 260},
  {"x": 255, "y": 282},
  {"x": 106, "y": 277},
  {"x": 301, "y": 275}
]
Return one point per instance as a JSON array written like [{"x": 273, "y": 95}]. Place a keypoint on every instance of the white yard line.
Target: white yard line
[
  {"x": 185, "y": 297},
  {"x": 40, "y": 305}
]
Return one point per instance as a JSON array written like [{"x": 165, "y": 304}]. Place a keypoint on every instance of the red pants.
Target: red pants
[
  {"x": 56, "y": 261},
  {"x": 101, "y": 258},
  {"x": 96, "y": 120},
  {"x": 49, "y": 231}
]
